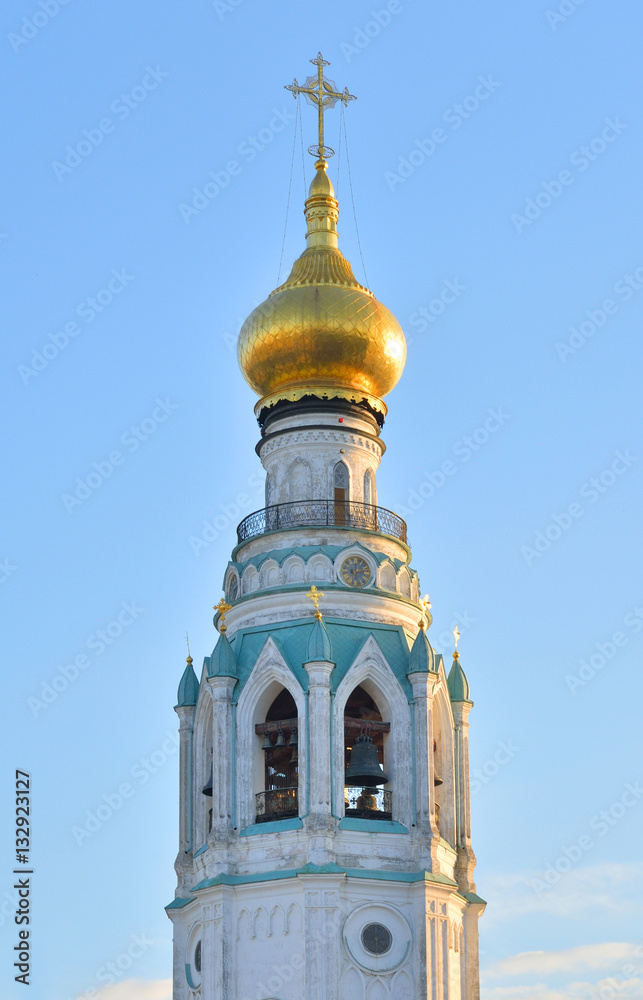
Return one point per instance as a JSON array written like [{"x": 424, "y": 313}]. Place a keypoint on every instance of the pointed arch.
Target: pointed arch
[
  {"x": 352, "y": 985},
  {"x": 202, "y": 762},
  {"x": 403, "y": 987},
  {"x": 444, "y": 761},
  {"x": 370, "y": 496},
  {"x": 299, "y": 480},
  {"x": 377, "y": 991},
  {"x": 293, "y": 919},
  {"x": 270, "y": 573},
  {"x": 371, "y": 670},
  {"x": 268, "y": 677}
]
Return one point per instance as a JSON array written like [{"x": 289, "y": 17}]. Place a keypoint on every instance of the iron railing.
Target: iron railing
[
  {"x": 368, "y": 803},
  {"x": 276, "y": 803},
  {"x": 343, "y": 513}
]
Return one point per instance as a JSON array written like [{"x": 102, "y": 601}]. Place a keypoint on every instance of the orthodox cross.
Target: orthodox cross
[
  {"x": 222, "y": 607},
  {"x": 426, "y": 612},
  {"x": 314, "y": 596},
  {"x": 321, "y": 93},
  {"x": 456, "y": 636},
  {"x": 187, "y": 639}
]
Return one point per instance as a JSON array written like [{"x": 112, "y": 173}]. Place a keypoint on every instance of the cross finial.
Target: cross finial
[
  {"x": 222, "y": 607},
  {"x": 456, "y": 636},
  {"x": 426, "y": 605},
  {"x": 189, "y": 656},
  {"x": 314, "y": 596},
  {"x": 321, "y": 93}
]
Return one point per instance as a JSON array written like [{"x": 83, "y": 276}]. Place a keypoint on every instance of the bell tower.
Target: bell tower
[{"x": 324, "y": 833}]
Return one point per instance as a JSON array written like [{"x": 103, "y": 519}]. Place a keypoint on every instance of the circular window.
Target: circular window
[
  {"x": 197, "y": 957},
  {"x": 377, "y": 939}
]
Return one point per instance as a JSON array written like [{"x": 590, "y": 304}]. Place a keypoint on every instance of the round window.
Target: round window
[
  {"x": 197, "y": 957},
  {"x": 377, "y": 939}
]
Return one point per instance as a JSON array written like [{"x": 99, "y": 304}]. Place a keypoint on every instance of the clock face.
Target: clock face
[{"x": 355, "y": 571}]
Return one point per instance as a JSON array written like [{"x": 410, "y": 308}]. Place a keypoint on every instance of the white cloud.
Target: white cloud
[
  {"x": 604, "y": 989},
  {"x": 584, "y": 958},
  {"x": 138, "y": 989},
  {"x": 606, "y": 888}
]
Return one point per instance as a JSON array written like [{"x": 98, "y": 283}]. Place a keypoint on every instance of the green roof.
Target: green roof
[
  {"x": 422, "y": 656},
  {"x": 188, "y": 687},
  {"x": 222, "y": 663},
  {"x": 319, "y": 646},
  {"x": 457, "y": 681},
  {"x": 346, "y": 637}
]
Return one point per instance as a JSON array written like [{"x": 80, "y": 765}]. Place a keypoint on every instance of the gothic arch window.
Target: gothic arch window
[
  {"x": 362, "y": 718},
  {"x": 279, "y": 736},
  {"x": 341, "y": 492},
  {"x": 369, "y": 487},
  {"x": 268, "y": 489}
]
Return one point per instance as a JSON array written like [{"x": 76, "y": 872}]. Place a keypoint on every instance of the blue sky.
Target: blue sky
[{"x": 496, "y": 155}]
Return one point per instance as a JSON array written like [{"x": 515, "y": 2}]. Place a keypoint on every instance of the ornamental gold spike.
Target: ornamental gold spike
[
  {"x": 321, "y": 93},
  {"x": 314, "y": 596},
  {"x": 222, "y": 607},
  {"x": 426, "y": 606},
  {"x": 189, "y": 656},
  {"x": 456, "y": 636}
]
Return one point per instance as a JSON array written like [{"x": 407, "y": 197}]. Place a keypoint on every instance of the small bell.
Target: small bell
[
  {"x": 364, "y": 767},
  {"x": 280, "y": 739},
  {"x": 207, "y": 788},
  {"x": 292, "y": 742},
  {"x": 267, "y": 742},
  {"x": 437, "y": 780}
]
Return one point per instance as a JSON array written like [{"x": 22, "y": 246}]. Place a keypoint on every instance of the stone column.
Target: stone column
[
  {"x": 320, "y": 822},
  {"x": 466, "y": 861},
  {"x": 322, "y": 935},
  {"x": 186, "y": 725},
  {"x": 221, "y": 688},
  {"x": 428, "y": 837}
]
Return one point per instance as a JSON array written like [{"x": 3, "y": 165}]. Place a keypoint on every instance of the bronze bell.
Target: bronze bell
[
  {"x": 364, "y": 767},
  {"x": 437, "y": 780},
  {"x": 267, "y": 742},
  {"x": 207, "y": 788},
  {"x": 280, "y": 739}
]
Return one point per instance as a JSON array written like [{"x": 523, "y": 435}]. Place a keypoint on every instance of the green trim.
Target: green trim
[
  {"x": 201, "y": 850},
  {"x": 445, "y": 843},
  {"x": 277, "y": 826},
  {"x": 371, "y": 825},
  {"x": 322, "y": 527},
  {"x": 472, "y": 897},
  {"x": 332, "y": 869},
  {"x": 188, "y": 976},
  {"x": 179, "y": 903}
]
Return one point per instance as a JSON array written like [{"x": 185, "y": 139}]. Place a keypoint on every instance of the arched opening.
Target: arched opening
[
  {"x": 341, "y": 487},
  {"x": 279, "y": 735},
  {"x": 369, "y": 487},
  {"x": 365, "y": 734}
]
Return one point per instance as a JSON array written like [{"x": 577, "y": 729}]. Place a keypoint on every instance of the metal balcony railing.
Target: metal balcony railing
[
  {"x": 276, "y": 803},
  {"x": 368, "y": 803},
  {"x": 316, "y": 513}
]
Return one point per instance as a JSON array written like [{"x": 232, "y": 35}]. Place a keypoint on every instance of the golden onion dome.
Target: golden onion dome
[{"x": 321, "y": 333}]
